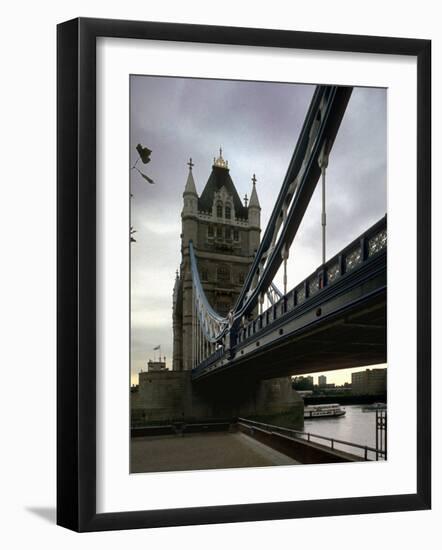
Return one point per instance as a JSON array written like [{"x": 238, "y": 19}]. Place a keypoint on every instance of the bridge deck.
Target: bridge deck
[{"x": 326, "y": 323}]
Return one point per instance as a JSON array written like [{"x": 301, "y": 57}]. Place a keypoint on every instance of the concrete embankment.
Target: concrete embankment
[
  {"x": 304, "y": 452},
  {"x": 223, "y": 443}
]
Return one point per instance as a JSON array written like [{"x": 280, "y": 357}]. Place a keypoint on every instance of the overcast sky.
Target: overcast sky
[{"x": 257, "y": 124}]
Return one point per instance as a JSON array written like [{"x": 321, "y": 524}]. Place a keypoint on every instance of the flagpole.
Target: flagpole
[{"x": 154, "y": 354}]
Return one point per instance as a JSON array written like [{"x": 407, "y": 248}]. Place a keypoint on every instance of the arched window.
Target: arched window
[
  {"x": 219, "y": 210},
  {"x": 236, "y": 235},
  {"x": 228, "y": 233},
  {"x": 210, "y": 231},
  {"x": 228, "y": 212}
]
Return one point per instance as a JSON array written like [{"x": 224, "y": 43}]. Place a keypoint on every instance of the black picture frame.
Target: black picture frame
[{"x": 76, "y": 273}]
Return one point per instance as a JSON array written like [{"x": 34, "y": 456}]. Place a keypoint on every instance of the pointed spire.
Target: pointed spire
[
  {"x": 190, "y": 184},
  {"x": 176, "y": 286},
  {"x": 254, "y": 201}
]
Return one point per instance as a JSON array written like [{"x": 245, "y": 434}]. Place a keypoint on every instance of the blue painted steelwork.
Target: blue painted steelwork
[
  {"x": 213, "y": 325},
  {"x": 361, "y": 248},
  {"x": 273, "y": 293},
  {"x": 319, "y": 130},
  {"x": 339, "y": 274}
]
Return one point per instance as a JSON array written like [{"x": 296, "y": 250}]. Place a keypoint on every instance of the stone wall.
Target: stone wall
[
  {"x": 167, "y": 396},
  {"x": 275, "y": 402}
]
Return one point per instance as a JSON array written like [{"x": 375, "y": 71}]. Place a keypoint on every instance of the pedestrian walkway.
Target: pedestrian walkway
[{"x": 202, "y": 452}]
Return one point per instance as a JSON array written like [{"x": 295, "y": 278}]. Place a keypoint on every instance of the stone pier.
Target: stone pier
[{"x": 170, "y": 396}]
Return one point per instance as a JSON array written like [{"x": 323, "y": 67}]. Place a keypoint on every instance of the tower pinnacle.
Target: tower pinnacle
[
  {"x": 254, "y": 201},
  {"x": 220, "y": 162},
  {"x": 190, "y": 184}
]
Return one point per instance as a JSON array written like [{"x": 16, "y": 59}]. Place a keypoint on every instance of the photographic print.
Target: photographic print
[
  {"x": 258, "y": 274},
  {"x": 227, "y": 199}
]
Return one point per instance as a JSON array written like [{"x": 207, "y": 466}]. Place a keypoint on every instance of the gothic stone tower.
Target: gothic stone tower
[{"x": 225, "y": 235}]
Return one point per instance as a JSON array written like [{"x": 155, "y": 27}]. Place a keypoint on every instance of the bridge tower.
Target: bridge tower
[{"x": 225, "y": 233}]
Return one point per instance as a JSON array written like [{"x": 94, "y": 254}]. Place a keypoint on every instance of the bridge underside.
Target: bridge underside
[{"x": 353, "y": 340}]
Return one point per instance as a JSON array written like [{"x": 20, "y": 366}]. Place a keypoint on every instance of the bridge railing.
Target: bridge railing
[
  {"x": 365, "y": 452},
  {"x": 353, "y": 256}
]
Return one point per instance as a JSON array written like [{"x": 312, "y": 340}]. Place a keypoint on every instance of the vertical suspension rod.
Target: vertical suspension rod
[{"x": 323, "y": 163}]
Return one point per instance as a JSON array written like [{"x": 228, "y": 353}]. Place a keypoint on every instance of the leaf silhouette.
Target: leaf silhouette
[
  {"x": 144, "y": 153},
  {"x": 144, "y": 176}
]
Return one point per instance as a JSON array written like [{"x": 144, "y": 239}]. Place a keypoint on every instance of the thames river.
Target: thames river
[{"x": 355, "y": 426}]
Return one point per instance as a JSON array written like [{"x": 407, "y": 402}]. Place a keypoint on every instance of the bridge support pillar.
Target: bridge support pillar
[
  {"x": 275, "y": 402},
  {"x": 168, "y": 396}
]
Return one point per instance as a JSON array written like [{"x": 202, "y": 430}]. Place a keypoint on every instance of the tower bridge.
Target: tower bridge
[
  {"x": 232, "y": 356},
  {"x": 336, "y": 318}
]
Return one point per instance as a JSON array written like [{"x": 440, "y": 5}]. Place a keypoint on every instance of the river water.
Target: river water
[{"x": 356, "y": 426}]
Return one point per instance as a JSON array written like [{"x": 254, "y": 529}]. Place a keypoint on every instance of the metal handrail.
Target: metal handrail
[
  {"x": 282, "y": 304},
  {"x": 309, "y": 435}
]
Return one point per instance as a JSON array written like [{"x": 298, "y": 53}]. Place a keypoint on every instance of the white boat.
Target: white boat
[
  {"x": 322, "y": 411},
  {"x": 375, "y": 407}
]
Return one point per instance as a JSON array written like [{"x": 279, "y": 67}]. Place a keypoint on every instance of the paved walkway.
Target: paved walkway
[{"x": 202, "y": 452}]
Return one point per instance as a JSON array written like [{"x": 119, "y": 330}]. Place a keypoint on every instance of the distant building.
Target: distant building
[
  {"x": 322, "y": 381},
  {"x": 303, "y": 383},
  {"x": 156, "y": 366},
  {"x": 369, "y": 382}
]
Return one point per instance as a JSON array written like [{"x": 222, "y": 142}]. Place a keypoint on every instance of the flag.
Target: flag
[{"x": 157, "y": 347}]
